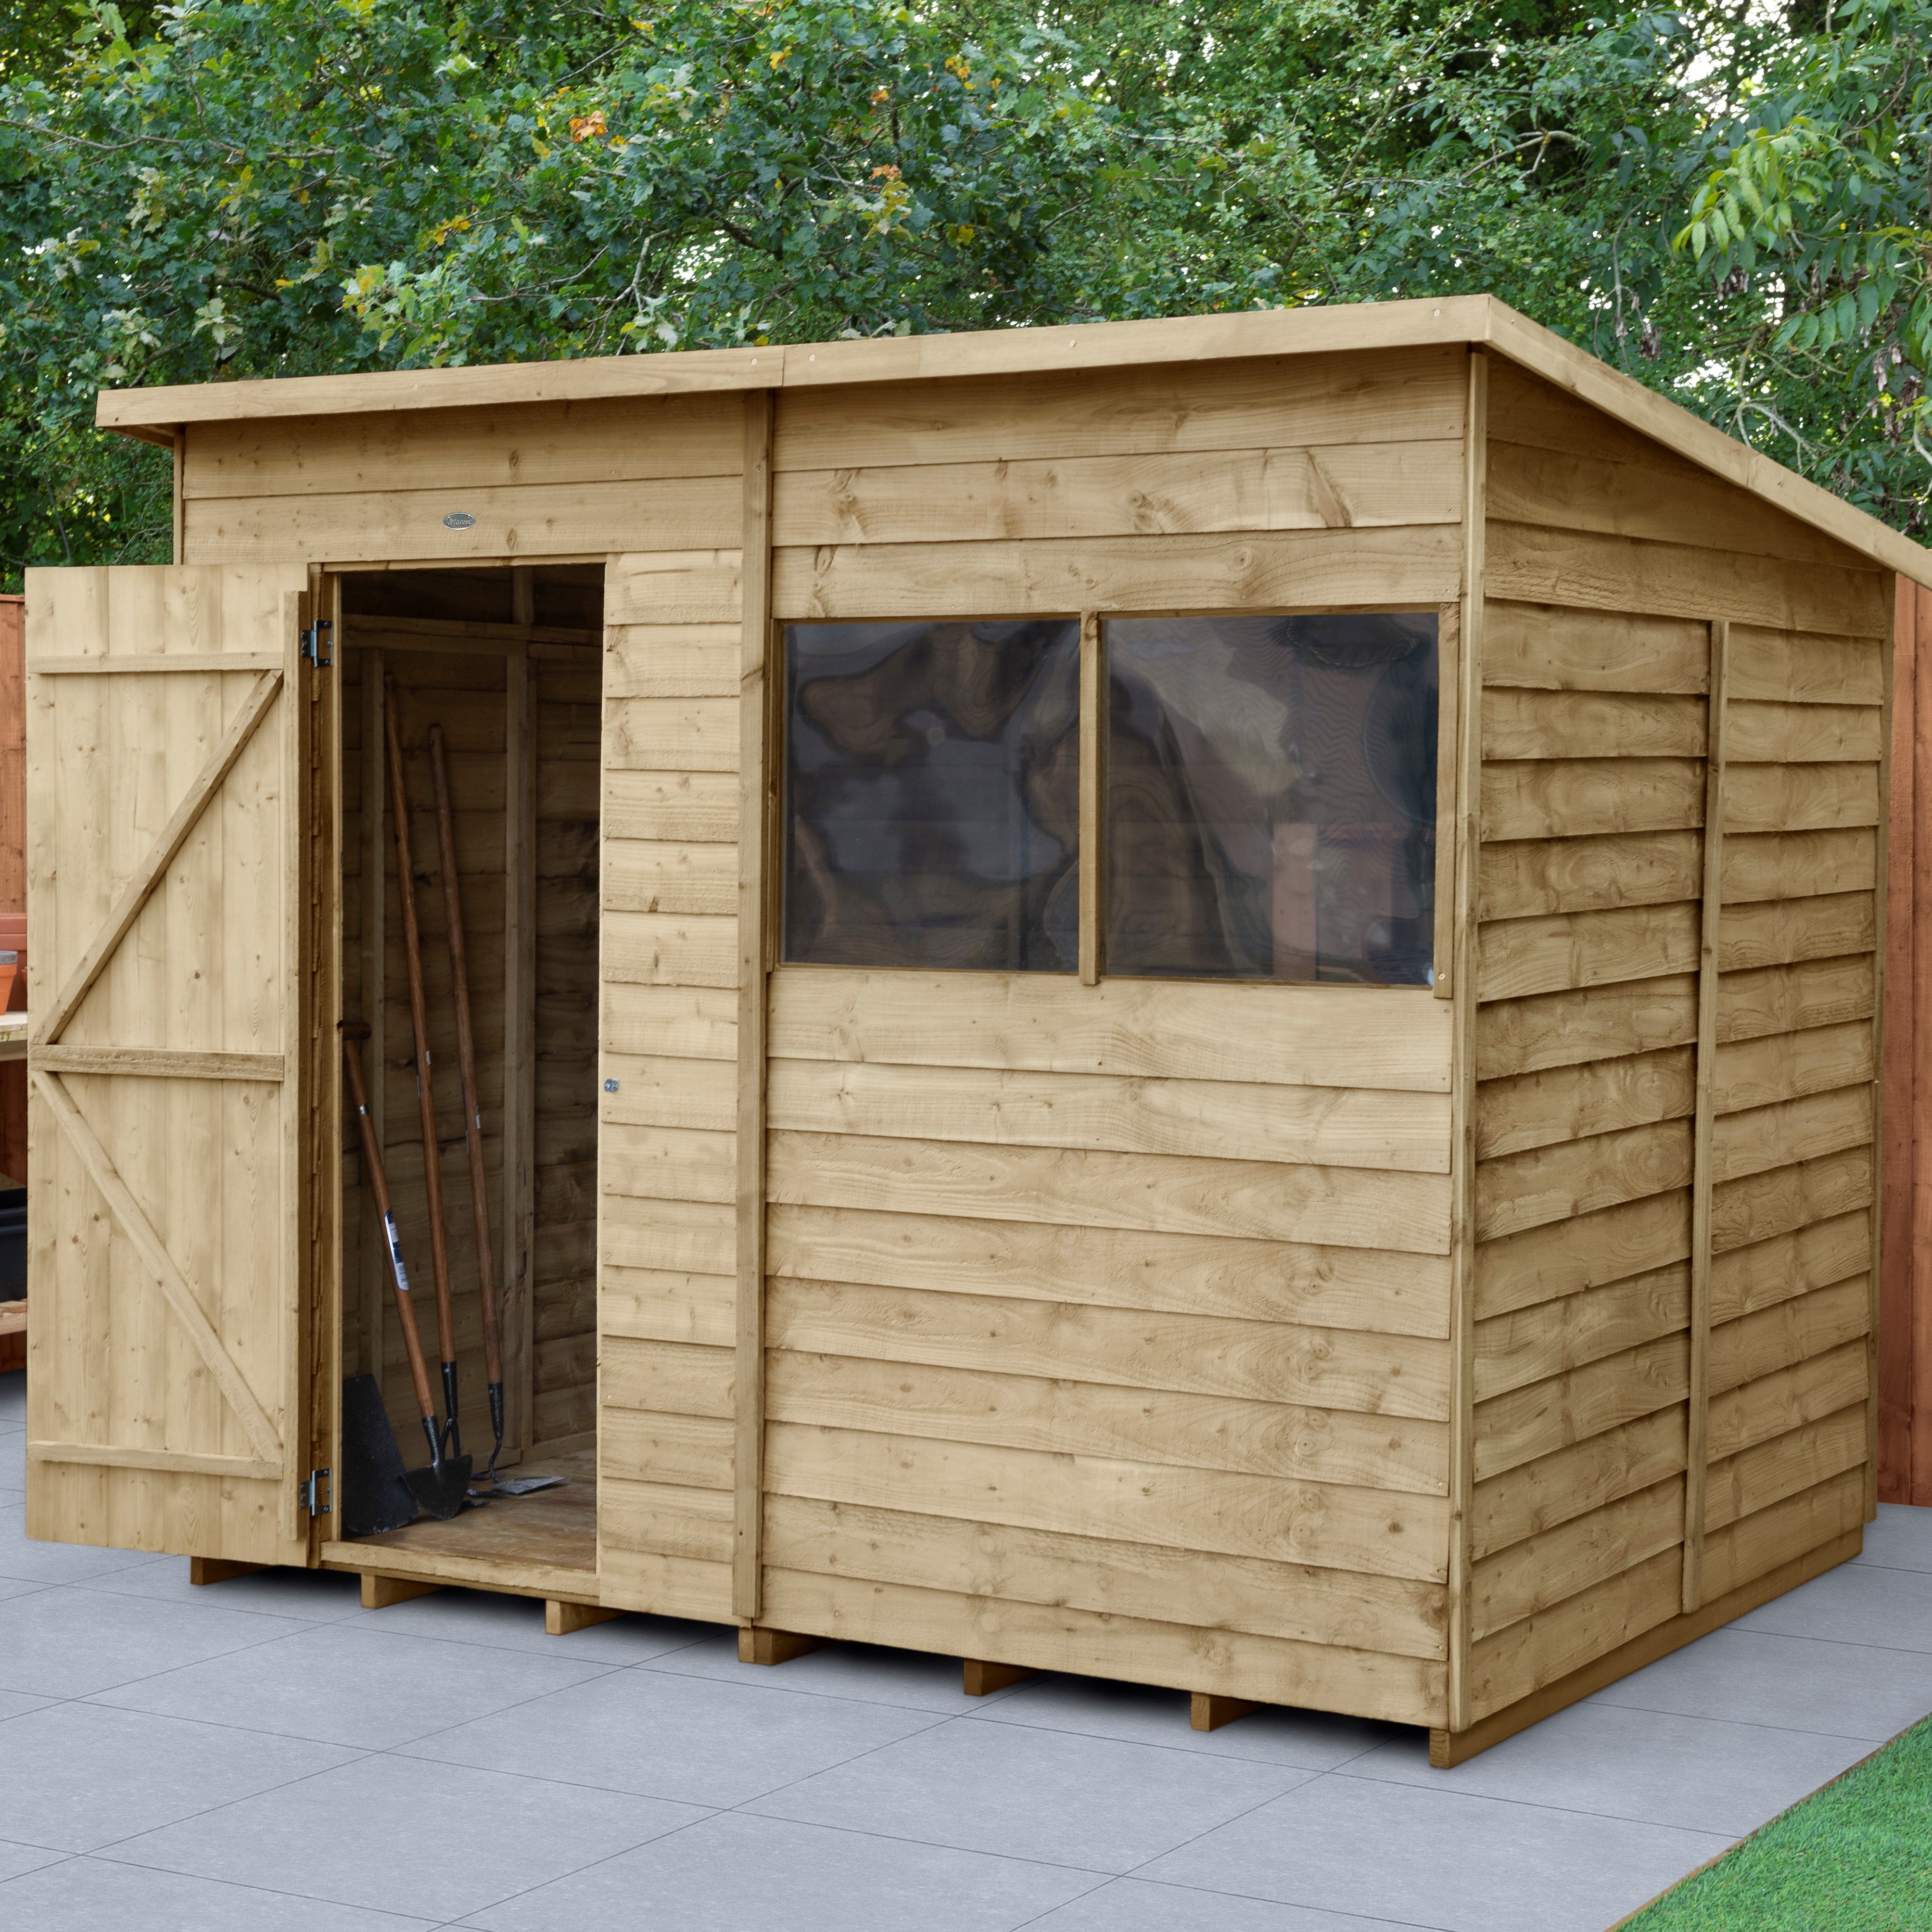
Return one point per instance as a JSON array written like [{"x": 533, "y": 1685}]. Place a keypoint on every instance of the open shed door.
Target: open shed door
[{"x": 168, "y": 791}]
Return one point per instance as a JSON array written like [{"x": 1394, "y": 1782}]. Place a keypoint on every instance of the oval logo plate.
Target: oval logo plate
[{"x": 459, "y": 519}]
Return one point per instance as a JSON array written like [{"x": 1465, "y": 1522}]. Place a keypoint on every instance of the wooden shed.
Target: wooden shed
[{"x": 1193, "y": 1000}]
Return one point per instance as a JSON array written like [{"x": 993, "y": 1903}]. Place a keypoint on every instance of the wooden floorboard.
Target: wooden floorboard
[{"x": 526, "y": 1541}]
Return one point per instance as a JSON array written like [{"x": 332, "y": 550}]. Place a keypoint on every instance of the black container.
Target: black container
[{"x": 14, "y": 1245}]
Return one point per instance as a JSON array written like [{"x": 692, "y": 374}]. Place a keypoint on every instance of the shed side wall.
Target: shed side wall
[
  {"x": 1608, "y": 560},
  {"x": 1107, "y": 1325}
]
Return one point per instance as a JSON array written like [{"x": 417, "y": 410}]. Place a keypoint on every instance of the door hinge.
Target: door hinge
[
  {"x": 314, "y": 643},
  {"x": 312, "y": 1495}
]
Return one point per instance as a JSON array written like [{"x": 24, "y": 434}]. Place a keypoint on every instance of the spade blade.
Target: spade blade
[{"x": 441, "y": 1490}]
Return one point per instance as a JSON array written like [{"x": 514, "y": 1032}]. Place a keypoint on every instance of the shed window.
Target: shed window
[
  {"x": 1270, "y": 797},
  {"x": 933, "y": 804}
]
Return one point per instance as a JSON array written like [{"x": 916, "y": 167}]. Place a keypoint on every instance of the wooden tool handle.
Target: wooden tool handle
[
  {"x": 466, "y": 1056},
  {"x": 379, "y": 1184},
  {"x": 406, "y": 883}
]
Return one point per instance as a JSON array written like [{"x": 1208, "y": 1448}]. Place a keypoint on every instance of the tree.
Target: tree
[{"x": 275, "y": 187}]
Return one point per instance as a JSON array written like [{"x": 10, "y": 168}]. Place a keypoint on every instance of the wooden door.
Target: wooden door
[{"x": 168, "y": 774}]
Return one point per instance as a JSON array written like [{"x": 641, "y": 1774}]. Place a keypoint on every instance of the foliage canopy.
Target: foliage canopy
[{"x": 1730, "y": 204}]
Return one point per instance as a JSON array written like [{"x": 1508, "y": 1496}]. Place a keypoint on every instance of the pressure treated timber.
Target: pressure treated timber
[
  {"x": 202, "y": 1570},
  {"x": 1389, "y": 329},
  {"x": 757, "y": 899},
  {"x": 1033, "y": 1284},
  {"x": 162, "y": 814},
  {"x": 1717, "y": 817},
  {"x": 1330, "y": 1526},
  {"x": 1403, "y": 397},
  {"x": 1333, "y": 1035},
  {"x": 1748, "y": 1278},
  {"x": 1357, "y": 486},
  {"x": 383, "y": 1593},
  {"x": 1375, "y": 1291},
  {"x": 1541, "y": 724},
  {"x": 1565, "y": 1257},
  {"x": 1383, "y": 1375},
  {"x": 1153, "y": 1582},
  {"x": 1783, "y": 1466},
  {"x": 521, "y": 520},
  {"x": 1794, "y": 865},
  {"x": 1565, "y": 1029},
  {"x": 1313, "y": 1126},
  {"x": 773, "y": 1646},
  {"x": 1263, "y": 1669},
  {"x": 1447, "y": 1749},
  {"x": 1555, "y": 1564},
  {"x": 1569, "y": 1103},
  {"x": 565, "y": 1619},
  {"x": 1530, "y": 563},
  {"x": 1161, "y": 1194},
  {"x": 532, "y": 444},
  {"x": 1575, "y": 797},
  {"x": 1467, "y": 836},
  {"x": 1903, "y": 1451},
  {"x": 1262, "y": 1435},
  {"x": 980, "y": 1679},
  {"x": 1208, "y": 1712},
  {"x": 1256, "y": 570},
  {"x": 1573, "y": 1481},
  {"x": 1533, "y": 1344},
  {"x": 1570, "y": 952}
]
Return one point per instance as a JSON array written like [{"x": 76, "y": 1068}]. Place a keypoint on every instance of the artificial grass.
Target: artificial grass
[{"x": 1855, "y": 1857}]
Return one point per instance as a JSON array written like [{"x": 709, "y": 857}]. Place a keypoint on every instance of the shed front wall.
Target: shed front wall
[
  {"x": 1609, "y": 562},
  {"x": 1107, "y": 1326},
  {"x": 1065, "y": 1366}
]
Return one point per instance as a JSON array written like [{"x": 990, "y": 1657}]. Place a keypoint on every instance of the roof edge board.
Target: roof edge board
[
  {"x": 1411, "y": 324},
  {"x": 1098, "y": 345}
]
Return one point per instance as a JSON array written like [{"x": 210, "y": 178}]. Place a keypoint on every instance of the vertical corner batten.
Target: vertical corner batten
[
  {"x": 1092, "y": 735},
  {"x": 1703, "y": 1135},
  {"x": 1881, "y": 907},
  {"x": 1918, "y": 1413},
  {"x": 1468, "y": 835},
  {"x": 756, "y": 883},
  {"x": 1895, "y": 1257}
]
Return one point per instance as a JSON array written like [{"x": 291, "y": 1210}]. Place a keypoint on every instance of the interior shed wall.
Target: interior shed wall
[
  {"x": 550, "y": 1350},
  {"x": 1607, "y": 560},
  {"x": 1110, "y": 1322}
]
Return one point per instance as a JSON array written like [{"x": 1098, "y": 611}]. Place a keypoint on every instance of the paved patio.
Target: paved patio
[{"x": 264, "y": 1755}]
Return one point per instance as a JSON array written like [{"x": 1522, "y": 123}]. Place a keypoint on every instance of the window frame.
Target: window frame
[{"x": 1092, "y": 734}]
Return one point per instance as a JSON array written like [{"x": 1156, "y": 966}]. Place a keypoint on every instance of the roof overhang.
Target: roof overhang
[{"x": 154, "y": 415}]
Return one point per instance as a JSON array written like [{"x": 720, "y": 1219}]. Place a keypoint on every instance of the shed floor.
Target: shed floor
[
  {"x": 558, "y": 1527},
  {"x": 263, "y": 1755}
]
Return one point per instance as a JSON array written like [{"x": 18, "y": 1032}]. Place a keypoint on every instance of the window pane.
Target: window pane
[
  {"x": 1271, "y": 797},
  {"x": 932, "y": 783}
]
